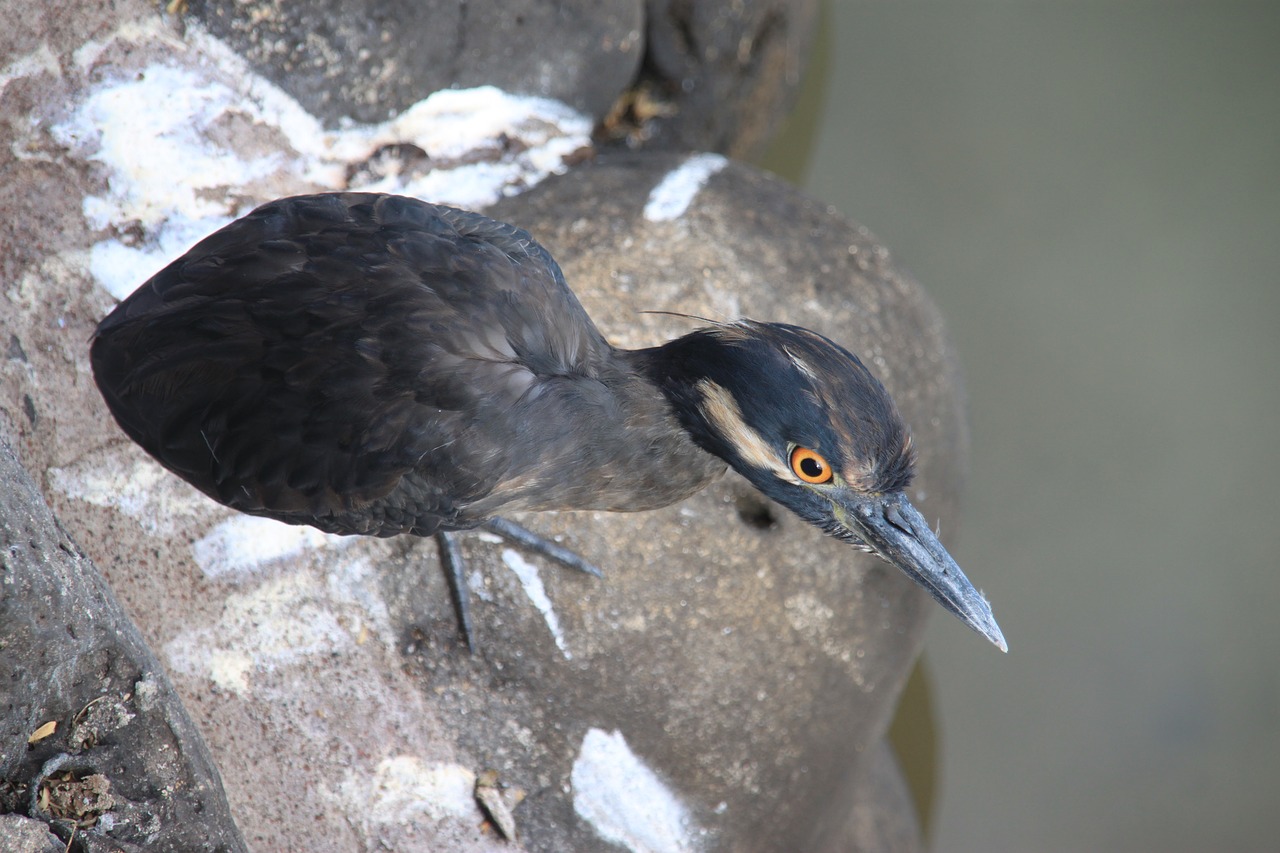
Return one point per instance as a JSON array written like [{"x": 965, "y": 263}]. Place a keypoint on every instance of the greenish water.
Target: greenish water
[{"x": 1091, "y": 191}]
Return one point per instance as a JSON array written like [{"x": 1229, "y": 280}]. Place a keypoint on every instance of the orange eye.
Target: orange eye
[{"x": 810, "y": 466}]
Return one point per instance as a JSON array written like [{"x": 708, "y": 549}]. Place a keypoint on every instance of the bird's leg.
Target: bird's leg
[
  {"x": 531, "y": 541},
  {"x": 455, "y": 567}
]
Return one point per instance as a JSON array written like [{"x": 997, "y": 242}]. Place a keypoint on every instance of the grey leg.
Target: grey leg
[
  {"x": 531, "y": 541},
  {"x": 454, "y": 570}
]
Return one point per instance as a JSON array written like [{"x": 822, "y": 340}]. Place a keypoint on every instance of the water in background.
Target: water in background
[{"x": 1091, "y": 191}]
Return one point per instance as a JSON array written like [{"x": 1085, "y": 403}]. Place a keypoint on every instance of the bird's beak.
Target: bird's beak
[{"x": 894, "y": 530}]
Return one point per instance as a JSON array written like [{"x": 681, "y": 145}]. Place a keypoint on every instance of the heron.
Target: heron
[{"x": 373, "y": 364}]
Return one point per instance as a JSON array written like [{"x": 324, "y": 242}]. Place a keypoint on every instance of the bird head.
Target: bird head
[{"x": 806, "y": 423}]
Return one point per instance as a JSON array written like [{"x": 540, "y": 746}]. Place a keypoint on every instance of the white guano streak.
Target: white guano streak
[
  {"x": 675, "y": 192},
  {"x": 176, "y": 174},
  {"x": 532, "y": 583},
  {"x": 625, "y": 801}
]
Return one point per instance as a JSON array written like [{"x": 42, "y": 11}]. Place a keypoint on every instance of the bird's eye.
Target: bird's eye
[{"x": 810, "y": 466}]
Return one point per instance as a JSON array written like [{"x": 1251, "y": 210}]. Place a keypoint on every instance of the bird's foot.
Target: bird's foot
[{"x": 455, "y": 567}]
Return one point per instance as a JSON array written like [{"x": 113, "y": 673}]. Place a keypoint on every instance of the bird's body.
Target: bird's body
[
  {"x": 377, "y": 365},
  {"x": 373, "y": 364}
]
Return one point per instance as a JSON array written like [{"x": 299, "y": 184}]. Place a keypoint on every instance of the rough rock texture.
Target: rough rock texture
[
  {"x": 734, "y": 665},
  {"x": 671, "y": 74},
  {"x": 720, "y": 76},
  {"x": 370, "y": 59},
  {"x": 28, "y": 835},
  {"x": 90, "y": 728}
]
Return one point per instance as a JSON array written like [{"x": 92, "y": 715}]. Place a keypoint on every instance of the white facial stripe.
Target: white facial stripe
[{"x": 722, "y": 410}]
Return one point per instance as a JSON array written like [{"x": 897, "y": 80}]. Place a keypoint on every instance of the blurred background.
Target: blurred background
[{"x": 1091, "y": 192}]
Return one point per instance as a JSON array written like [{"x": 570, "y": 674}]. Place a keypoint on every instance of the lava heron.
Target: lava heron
[{"x": 374, "y": 364}]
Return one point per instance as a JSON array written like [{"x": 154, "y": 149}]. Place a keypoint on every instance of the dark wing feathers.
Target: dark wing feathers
[{"x": 344, "y": 360}]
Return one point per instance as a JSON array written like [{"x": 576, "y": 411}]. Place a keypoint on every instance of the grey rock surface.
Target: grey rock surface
[
  {"x": 91, "y": 730},
  {"x": 370, "y": 59},
  {"x": 28, "y": 835},
  {"x": 879, "y": 815},
  {"x": 700, "y": 75},
  {"x": 721, "y": 76}
]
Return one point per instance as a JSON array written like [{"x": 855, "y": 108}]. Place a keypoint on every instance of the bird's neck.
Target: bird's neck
[
  {"x": 679, "y": 370},
  {"x": 620, "y": 427}
]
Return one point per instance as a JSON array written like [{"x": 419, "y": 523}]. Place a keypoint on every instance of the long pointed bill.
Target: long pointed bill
[{"x": 893, "y": 528}]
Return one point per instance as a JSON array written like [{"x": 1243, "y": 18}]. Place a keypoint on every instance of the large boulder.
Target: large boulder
[{"x": 725, "y": 686}]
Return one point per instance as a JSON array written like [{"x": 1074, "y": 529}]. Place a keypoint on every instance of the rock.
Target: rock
[
  {"x": 700, "y": 75},
  {"x": 27, "y": 835},
  {"x": 91, "y": 731},
  {"x": 371, "y": 59},
  {"x": 878, "y": 814},
  {"x": 719, "y": 76}
]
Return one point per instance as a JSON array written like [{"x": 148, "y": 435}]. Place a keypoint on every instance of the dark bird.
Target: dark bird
[{"x": 373, "y": 364}]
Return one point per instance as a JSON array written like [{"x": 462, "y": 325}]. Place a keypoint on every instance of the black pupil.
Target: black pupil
[{"x": 811, "y": 467}]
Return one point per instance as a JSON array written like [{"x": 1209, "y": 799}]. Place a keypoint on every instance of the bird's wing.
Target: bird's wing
[{"x": 347, "y": 360}]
